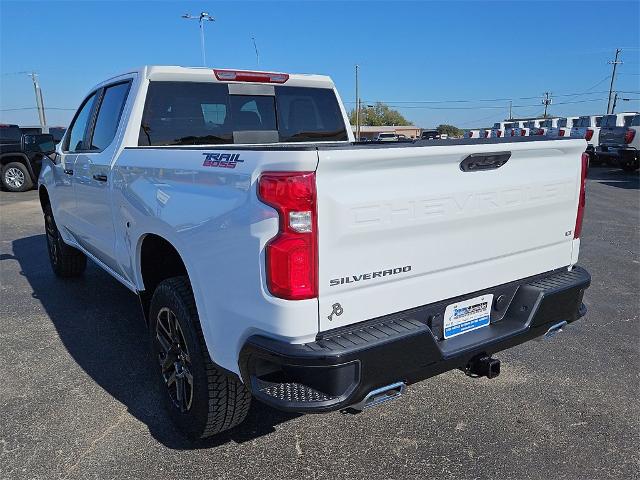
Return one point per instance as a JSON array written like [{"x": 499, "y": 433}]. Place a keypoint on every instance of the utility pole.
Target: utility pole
[
  {"x": 39, "y": 100},
  {"x": 546, "y": 101},
  {"x": 510, "y": 109},
  {"x": 204, "y": 16},
  {"x": 615, "y": 100},
  {"x": 615, "y": 63},
  {"x": 357, "y": 107}
]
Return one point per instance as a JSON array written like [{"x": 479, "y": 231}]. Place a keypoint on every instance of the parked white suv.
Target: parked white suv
[
  {"x": 386, "y": 137},
  {"x": 276, "y": 258}
]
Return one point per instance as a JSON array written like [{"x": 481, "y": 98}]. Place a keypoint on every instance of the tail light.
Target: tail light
[
  {"x": 247, "y": 76},
  {"x": 581, "y": 199},
  {"x": 499, "y": 133},
  {"x": 522, "y": 132},
  {"x": 540, "y": 131},
  {"x": 629, "y": 135},
  {"x": 292, "y": 255},
  {"x": 561, "y": 132},
  {"x": 513, "y": 132},
  {"x": 486, "y": 134},
  {"x": 588, "y": 135}
]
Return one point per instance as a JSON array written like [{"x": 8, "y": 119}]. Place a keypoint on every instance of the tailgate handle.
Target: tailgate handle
[{"x": 484, "y": 161}]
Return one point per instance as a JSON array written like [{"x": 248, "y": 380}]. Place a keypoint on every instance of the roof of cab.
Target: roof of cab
[{"x": 205, "y": 74}]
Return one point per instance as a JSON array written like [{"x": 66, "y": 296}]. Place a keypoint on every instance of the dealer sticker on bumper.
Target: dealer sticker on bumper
[{"x": 468, "y": 315}]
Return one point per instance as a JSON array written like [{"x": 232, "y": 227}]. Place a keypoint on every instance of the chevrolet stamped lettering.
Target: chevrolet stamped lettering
[
  {"x": 222, "y": 160},
  {"x": 368, "y": 276}
]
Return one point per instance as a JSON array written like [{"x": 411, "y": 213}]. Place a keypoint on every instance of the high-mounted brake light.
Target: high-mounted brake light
[
  {"x": 292, "y": 255},
  {"x": 588, "y": 134},
  {"x": 247, "y": 76},
  {"x": 582, "y": 198},
  {"x": 629, "y": 135}
]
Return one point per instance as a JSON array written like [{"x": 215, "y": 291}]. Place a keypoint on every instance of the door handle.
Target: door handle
[
  {"x": 68, "y": 171},
  {"x": 100, "y": 178},
  {"x": 484, "y": 161}
]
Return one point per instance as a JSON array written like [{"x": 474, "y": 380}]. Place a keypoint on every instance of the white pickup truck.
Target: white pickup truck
[{"x": 276, "y": 258}]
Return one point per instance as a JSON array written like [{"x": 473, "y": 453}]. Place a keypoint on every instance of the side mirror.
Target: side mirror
[{"x": 43, "y": 143}]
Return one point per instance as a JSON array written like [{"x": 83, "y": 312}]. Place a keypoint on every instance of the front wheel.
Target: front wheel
[
  {"x": 201, "y": 399},
  {"x": 65, "y": 260},
  {"x": 16, "y": 177}
]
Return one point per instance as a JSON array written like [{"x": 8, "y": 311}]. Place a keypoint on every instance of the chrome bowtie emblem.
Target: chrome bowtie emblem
[{"x": 337, "y": 311}]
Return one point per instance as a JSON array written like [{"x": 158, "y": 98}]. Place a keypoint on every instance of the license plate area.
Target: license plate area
[{"x": 467, "y": 315}]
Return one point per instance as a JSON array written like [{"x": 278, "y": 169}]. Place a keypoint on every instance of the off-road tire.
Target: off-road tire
[
  {"x": 66, "y": 261},
  {"x": 219, "y": 401},
  {"x": 16, "y": 172}
]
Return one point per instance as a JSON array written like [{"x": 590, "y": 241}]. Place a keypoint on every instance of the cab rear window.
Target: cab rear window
[{"x": 190, "y": 113}]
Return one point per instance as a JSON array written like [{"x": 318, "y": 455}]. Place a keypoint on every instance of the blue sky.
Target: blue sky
[{"x": 409, "y": 52}]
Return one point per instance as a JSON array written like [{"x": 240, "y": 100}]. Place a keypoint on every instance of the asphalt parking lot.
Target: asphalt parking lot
[{"x": 77, "y": 399}]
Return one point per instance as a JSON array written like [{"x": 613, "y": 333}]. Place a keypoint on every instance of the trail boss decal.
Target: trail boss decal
[
  {"x": 369, "y": 276},
  {"x": 221, "y": 160}
]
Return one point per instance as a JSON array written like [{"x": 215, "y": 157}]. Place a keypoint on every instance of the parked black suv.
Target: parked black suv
[{"x": 21, "y": 157}]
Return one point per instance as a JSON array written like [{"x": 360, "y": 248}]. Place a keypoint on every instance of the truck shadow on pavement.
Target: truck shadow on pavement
[
  {"x": 100, "y": 324},
  {"x": 615, "y": 177}
]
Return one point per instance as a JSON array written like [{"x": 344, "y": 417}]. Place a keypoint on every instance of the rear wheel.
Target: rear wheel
[
  {"x": 16, "y": 177},
  {"x": 201, "y": 399},
  {"x": 65, "y": 261}
]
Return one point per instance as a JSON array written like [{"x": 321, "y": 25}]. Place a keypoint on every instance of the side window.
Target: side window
[
  {"x": 627, "y": 120},
  {"x": 75, "y": 138},
  {"x": 109, "y": 115},
  {"x": 598, "y": 121},
  {"x": 635, "y": 122}
]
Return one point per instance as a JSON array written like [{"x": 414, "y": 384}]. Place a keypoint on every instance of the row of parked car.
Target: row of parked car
[{"x": 612, "y": 138}]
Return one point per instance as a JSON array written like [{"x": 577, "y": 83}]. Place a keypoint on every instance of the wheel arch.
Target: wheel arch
[
  {"x": 157, "y": 260},
  {"x": 43, "y": 195}
]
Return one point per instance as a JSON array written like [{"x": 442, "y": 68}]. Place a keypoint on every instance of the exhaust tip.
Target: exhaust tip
[
  {"x": 555, "y": 329},
  {"x": 380, "y": 395}
]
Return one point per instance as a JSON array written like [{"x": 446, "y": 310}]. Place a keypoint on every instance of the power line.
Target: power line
[
  {"x": 491, "y": 107},
  {"x": 33, "y": 108}
]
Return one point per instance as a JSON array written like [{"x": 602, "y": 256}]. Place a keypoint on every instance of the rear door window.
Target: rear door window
[
  {"x": 197, "y": 113},
  {"x": 627, "y": 120},
  {"x": 109, "y": 114},
  {"x": 562, "y": 122},
  {"x": 635, "y": 121}
]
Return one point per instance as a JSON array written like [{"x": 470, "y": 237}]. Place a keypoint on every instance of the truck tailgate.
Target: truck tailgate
[{"x": 403, "y": 227}]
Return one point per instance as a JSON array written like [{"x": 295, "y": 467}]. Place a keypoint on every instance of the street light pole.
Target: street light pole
[
  {"x": 357, "y": 108},
  {"x": 204, "y": 16},
  {"x": 39, "y": 100}
]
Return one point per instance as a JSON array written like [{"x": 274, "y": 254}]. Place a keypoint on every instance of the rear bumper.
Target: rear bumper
[
  {"x": 342, "y": 366},
  {"x": 620, "y": 152}
]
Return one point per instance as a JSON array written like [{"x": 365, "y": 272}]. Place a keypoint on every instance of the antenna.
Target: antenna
[{"x": 255, "y": 47}]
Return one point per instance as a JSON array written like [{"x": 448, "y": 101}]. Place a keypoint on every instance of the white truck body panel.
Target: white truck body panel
[{"x": 379, "y": 208}]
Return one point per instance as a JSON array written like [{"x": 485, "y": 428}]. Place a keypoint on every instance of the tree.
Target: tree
[
  {"x": 378, "y": 114},
  {"x": 450, "y": 130}
]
